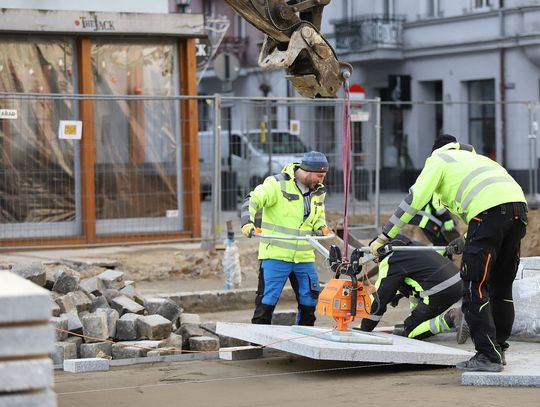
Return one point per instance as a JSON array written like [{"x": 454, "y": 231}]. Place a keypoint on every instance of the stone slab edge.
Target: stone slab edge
[{"x": 499, "y": 379}]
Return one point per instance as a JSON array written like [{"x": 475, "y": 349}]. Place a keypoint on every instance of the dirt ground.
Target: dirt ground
[{"x": 280, "y": 381}]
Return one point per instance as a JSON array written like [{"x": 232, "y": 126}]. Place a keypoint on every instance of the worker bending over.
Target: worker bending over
[
  {"x": 431, "y": 282},
  {"x": 292, "y": 204}
]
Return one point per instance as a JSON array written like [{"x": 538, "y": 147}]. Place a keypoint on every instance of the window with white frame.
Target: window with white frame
[{"x": 432, "y": 8}]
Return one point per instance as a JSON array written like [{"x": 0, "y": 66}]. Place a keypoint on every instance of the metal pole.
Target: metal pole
[
  {"x": 532, "y": 153},
  {"x": 377, "y": 162},
  {"x": 533, "y": 150},
  {"x": 269, "y": 136},
  {"x": 216, "y": 178}
]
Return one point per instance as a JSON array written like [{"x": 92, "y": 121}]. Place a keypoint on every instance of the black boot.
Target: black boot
[
  {"x": 263, "y": 314},
  {"x": 480, "y": 363},
  {"x": 306, "y": 315}
]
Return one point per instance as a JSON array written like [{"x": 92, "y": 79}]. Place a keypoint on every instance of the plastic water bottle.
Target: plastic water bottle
[{"x": 231, "y": 263}]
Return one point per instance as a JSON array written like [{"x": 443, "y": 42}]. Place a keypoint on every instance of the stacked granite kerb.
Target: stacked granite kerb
[
  {"x": 26, "y": 337},
  {"x": 105, "y": 317}
]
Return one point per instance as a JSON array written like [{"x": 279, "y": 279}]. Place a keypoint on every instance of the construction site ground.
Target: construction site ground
[{"x": 276, "y": 379}]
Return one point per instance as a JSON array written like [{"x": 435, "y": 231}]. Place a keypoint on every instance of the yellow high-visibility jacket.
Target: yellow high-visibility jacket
[
  {"x": 467, "y": 184},
  {"x": 282, "y": 203}
]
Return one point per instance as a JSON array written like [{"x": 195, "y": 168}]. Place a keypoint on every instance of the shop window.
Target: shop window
[
  {"x": 37, "y": 176},
  {"x": 136, "y": 140}
]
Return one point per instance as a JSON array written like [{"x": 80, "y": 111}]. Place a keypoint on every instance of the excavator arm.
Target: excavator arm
[{"x": 294, "y": 42}]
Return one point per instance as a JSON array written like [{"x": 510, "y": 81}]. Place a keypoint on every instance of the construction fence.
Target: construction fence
[{"x": 126, "y": 171}]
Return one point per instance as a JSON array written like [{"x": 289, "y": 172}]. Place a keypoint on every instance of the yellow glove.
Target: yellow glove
[
  {"x": 324, "y": 231},
  {"x": 378, "y": 243},
  {"x": 248, "y": 229}
]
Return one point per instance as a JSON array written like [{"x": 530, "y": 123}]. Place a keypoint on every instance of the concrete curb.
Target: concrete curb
[{"x": 220, "y": 300}]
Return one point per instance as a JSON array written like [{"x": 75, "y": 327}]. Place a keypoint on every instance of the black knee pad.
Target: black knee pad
[
  {"x": 306, "y": 315},
  {"x": 263, "y": 314}
]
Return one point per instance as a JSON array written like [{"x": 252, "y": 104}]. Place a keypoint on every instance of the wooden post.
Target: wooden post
[
  {"x": 88, "y": 145},
  {"x": 190, "y": 140}
]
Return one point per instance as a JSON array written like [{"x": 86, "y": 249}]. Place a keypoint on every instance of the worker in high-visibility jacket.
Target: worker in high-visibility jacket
[
  {"x": 436, "y": 222},
  {"x": 292, "y": 204},
  {"x": 432, "y": 284},
  {"x": 493, "y": 205}
]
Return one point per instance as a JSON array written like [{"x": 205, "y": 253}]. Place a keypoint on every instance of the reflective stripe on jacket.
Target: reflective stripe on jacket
[
  {"x": 283, "y": 214},
  {"x": 467, "y": 184}
]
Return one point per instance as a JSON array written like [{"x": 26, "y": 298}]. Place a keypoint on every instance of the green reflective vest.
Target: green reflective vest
[
  {"x": 283, "y": 214},
  {"x": 466, "y": 183}
]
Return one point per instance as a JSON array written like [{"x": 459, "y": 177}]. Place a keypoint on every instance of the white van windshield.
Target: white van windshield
[{"x": 282, "y": 143}]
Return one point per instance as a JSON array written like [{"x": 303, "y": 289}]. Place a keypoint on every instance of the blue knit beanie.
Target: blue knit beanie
[{"x": 314, "y": 162}]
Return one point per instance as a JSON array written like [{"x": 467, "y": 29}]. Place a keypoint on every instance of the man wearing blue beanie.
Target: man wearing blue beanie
[{"x": 292, "y": 204}]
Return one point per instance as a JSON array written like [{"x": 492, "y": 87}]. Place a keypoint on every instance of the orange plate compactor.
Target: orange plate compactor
[{"x": 345, "y": 300}]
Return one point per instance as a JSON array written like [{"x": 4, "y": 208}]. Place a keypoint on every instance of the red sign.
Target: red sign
[{"x": 357, "y": 91}]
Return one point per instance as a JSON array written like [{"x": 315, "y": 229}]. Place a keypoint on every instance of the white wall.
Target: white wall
[{"x": 133, "y": 6}]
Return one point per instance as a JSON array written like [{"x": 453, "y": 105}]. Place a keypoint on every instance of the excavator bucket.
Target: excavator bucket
[{"x": 294, "y": 43}]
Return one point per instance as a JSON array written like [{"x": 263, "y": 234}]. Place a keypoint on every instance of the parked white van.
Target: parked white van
[{"x": 245, "y": 155}]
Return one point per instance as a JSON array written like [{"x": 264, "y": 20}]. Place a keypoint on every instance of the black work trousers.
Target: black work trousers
[{"x": 488, "y": 269}]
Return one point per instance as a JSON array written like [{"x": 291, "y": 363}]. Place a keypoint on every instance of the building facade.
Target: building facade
[
  {"x": 114, "y": 166},
  {"x": 464, "y": 67}
]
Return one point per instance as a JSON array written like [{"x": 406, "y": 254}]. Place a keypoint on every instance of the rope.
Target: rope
[{"x": 346, "y": 164}]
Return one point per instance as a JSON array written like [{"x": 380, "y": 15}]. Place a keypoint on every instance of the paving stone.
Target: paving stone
[
  {"x": 203, "y": 343},
  {"x": 86, "y": 365},
  {"x": 124, "y": 305},
  {"x": 74, "y": 322},
  {"x": 78, "y": 341},
  {"x": 173, "y": 341},
  {"x": 162, "y": 352},
  {"x": 22, "y": 300},
  {"x": 95, "y": 327},
  {"x": 34, "y": 272},
  {"x": 66, "y": 280},
  {"x": 112, "y": 319},
  {"x": 66, "y": 303},
  {"x": 62, "y": 324},
  {"x": 14, "y": 375},
  {"x": 522, "y": 369},
  {"x": 62, "y": 351},
  {"x": 126, "y": 327},
  {"x": 224, "y": 341},
  {"x": 99, "y": 302},
  {"x": 403, "y": 350},
  {"x": 111, "y": 293},
  {"x": 112, "y": 279},
  {"x": 186, "y": 318},
  {"x": 26, "y": 340},
  {"x": 49, "y": 279},
  {"x": 154, "y": 327},
  {"x": 188, "y": 331},
  {"x": 97, "y": 349},
  {"x": 128, "y": 291},
  {"x": 123, "y": 351},
  {"x": 285, "y": 317},
  {"x": 162, "y": 306},
  {"x": 41, "y": 398},
  {"x": 55, "y": 309},
  {"x": 240, "y": 353},
  {"x": 92, "y": 285}
]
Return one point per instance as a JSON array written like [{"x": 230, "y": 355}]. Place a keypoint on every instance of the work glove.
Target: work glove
[
  {"x": 455, "y": 246},
  {"x": 378, "y": 243},
  {"x": 396, "y": 299},
  {"x": 322, "y": 231},
  {"x": 248, "y": 229}
]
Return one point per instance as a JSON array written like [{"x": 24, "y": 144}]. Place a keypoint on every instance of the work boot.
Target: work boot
[
  {"x": 462, "y": 329},
  {"x": 480, "y": 363},
  {"x": 399, "y": 330}
]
